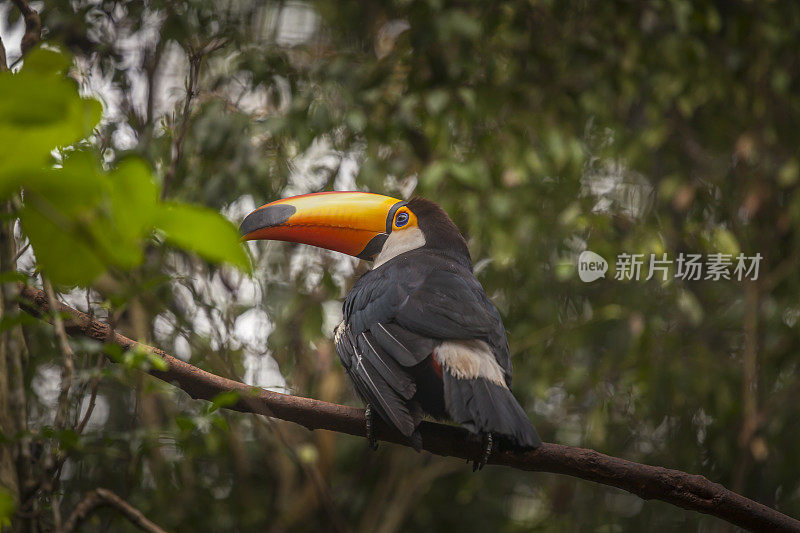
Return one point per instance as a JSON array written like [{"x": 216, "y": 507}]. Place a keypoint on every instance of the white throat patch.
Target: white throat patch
[{"x": 399, "y": 241}]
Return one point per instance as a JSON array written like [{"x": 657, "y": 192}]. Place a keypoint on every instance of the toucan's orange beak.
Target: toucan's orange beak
[{"x": 354, "y": 223}]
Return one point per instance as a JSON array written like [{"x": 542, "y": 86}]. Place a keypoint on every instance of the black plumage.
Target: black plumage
[{"x": 397, "y": 315}]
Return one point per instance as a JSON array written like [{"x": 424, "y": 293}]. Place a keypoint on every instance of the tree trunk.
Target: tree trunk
[{"x": 9, "y": 357}]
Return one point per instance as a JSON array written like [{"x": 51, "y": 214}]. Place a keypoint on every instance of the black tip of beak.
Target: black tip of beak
[
  {"x": 373, "y": 247},
  {"x": 266, "y": 217}
]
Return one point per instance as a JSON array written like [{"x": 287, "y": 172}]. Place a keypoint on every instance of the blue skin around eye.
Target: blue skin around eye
[{"x": 401, "y": 220}]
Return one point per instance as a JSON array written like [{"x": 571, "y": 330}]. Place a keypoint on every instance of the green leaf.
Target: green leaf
[
  {"x": 46, "y": 61},
  {"x": 12, "y": 276},
  {"x": 81, "y": 221},
  {"x": 51, "y": 102},
  {"x": 134, "y": 195},
  {"x": 68, "y": 439},
  {"x": 789, "y": 172},
  {"x": 127, "y": 214},
  {"x": 40, "y": 110},
  {"x": 225, "y": 399},
  {"x": 204, "y": 231},
  {"x": 7, "y": 507},
  {"x": 312, "y": 322},
  {"x": 64, "y": 252},
  {"x": 724, "y": 242},
  {"x": 157, "y": 362},
  {"x": 220, "y": 423},
  {"x": 60, "y": 218},
  {"x": 137, "y": 358},
  {"x": 73, "y": 189},
  {"x": 184, "y": 423},
  {"x": 434, "y": 173},
  {"x": 9, "y": 321}
]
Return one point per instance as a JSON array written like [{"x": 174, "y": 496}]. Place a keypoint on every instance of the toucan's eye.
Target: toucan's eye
[{"x": 401, "y": 219}]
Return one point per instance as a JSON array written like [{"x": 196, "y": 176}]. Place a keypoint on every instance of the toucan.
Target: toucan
[{"x": 419, "y": 334}]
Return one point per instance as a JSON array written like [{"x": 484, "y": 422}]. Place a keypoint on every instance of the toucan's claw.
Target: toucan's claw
[
  {"x": 373, "y": 442},
  {"x": 488, "y": 443}
]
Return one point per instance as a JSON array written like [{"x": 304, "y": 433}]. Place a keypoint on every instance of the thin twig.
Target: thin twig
[
  {"x": 22, "y": 250},
  {"x": 51, "y": 471},
  {"x": 176, "y": 149},
  {"x": 693, "y": 492},
  {"x": 55, "y": 507},
  {"x": 196, "y": 56},
  {"x": 311, "y": 471},
  {"x": 68, "y": 356},
  {"x": 338, "y": 523},
  {"x": 93, "y": 396},
  {"x": 54, "y": 457},
  {"x": 152, "y": 59},
  {"x": 103, "y": 497}
]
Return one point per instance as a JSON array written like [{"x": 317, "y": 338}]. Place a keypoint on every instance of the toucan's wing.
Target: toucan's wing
[
  {"x": 413, "y": 303},
  {"x": 446, "y": 307},
  {"x": 404, "y": 346},
  {"x": 378, "y": 378},
  {"x": 394, "y": 318},
  {"x": 452, "y": 305}
]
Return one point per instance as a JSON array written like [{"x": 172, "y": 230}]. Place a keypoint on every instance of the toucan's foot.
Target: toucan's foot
[
  {"x": 373, "y": 442},
  {"x": 488, "y": 443}
]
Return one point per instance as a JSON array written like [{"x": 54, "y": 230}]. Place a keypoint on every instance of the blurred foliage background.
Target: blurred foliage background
[{"x": 544, "y": 128}]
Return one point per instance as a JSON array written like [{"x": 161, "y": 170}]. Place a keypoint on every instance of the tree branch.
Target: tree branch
[
  {"x": 3, "y": 61},
  {"x": 693, "y": 492},
  {"x": 33, "y": 25},
  {"x": 103, "y": 497}
]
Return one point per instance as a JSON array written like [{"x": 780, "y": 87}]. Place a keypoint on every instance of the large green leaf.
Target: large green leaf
[
  {"x": 78, "y": 184},
  {"x": 80, "y": 219},
  {"x": 134, "y": 196},
  {"x": 204, "y": 231},
  {"x": 40, "y": 110},
  {"x": 64, "y": 249},
  {"x": 126, "y": 215}
]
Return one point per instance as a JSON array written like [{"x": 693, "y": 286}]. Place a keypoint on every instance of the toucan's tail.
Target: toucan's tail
[{"x": 482, "y": 406}]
